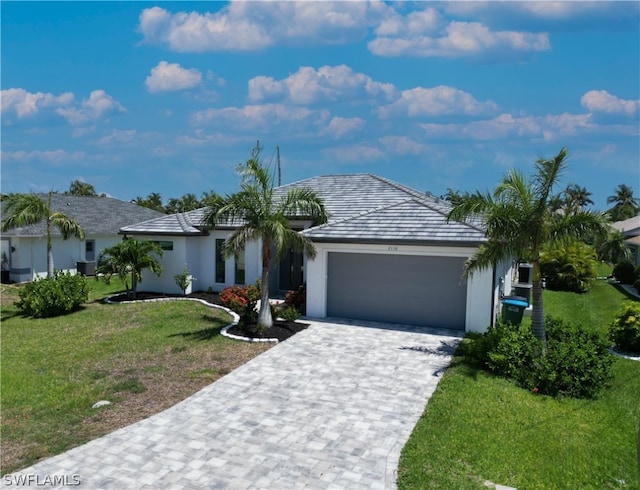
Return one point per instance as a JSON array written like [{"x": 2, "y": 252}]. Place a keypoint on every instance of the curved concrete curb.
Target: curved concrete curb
[{"x": 223, "y": 330}]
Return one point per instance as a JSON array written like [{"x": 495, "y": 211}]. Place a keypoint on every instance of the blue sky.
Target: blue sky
[{"x": 141, "y": 97}]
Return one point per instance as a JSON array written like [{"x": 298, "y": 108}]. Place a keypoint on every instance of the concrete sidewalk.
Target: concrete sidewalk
[{"x": 331, "y": 407}]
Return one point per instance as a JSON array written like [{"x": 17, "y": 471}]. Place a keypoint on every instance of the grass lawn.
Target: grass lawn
[
  {"x": 479, "y": 428},
  {"x": 142, "y": 357}
]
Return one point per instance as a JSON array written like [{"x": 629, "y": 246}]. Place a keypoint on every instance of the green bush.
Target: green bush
[
  {"x": 53, "y": 296},
  {"x": 289, "y": 313},
  {"x": 569, "y": 267},
  {"x": 625, "y": 272},
  {"x": 577, "y": 363},
  {"x": 625, "y": 329}
]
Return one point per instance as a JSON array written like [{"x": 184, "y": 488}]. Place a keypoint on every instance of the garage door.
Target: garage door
[{"x": 415, "y": 290}]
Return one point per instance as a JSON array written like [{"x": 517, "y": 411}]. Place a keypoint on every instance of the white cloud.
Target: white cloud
[
  {"x": 118, "y": 136},
  {"x": 505, "y": 126},
  {"x": 25, "y": 104},
  {"x": 99, "y": 104},
  {"x": 603, "y": 101},
  {"x": 461, "y": 39},
  {"x": 436, "y": 101},
  {"x": 341, "y": 126},
  {"x": 243, "y": 26},
  {"x": 327, "y": 83},
  {"x": 262, "y": 117},
  {"x": 166, "y": 77},
  {"x": 54, "y": 157}
]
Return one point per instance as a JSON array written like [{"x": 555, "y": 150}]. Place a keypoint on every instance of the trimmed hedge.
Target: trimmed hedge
[{"x": 624, "y": 331}]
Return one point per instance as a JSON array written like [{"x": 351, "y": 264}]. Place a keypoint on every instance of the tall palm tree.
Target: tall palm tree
[
  {"x": 626, "y": 206},
  {"x": 518, "y": 222},
  {"x": 265, "y": 217},
  {"x": 129, "y": 258},
  {"x": 30, "y": 209}
]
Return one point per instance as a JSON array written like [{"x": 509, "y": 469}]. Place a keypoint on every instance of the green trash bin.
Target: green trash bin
[{"x": 513, "y": 309}]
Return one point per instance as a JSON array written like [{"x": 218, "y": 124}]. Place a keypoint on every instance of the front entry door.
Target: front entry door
[{"x": 290, "y": 271}]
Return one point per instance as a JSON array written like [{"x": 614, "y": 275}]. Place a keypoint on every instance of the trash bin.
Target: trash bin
[
  {"x": 524, "y": 291},
  {"x": 86, "y": 267},
  {"x": 513, "y": 308}
]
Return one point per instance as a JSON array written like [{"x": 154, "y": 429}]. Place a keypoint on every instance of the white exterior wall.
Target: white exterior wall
[
  {"x": 29, "y": 260},
  {"x": 197, "y": 253},
  {"x": 479, "y": 308}
]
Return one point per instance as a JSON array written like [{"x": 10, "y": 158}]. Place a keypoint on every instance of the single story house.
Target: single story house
[
  {"x": 386, "y": 254},
  {"x": 630, "y": 228},
  {"x": 25, "y": 248}
]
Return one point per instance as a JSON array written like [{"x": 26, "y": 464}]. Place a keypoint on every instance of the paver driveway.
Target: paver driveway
[{"x": 331, "y": 407}]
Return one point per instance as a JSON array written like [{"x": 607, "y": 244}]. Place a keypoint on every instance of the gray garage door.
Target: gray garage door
[{"x": 408, "y": 289}]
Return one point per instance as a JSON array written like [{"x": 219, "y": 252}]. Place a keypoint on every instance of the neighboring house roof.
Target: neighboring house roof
[
  {"x": 633, "y": 241},
  {"x": 96, "y": 215},
  {"x": 629, "y": 227},
  {"x": 361, "y": 207}
]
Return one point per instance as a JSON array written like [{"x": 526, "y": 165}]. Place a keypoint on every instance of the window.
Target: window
[
  {"x": 165, "y": 245},
  {"x": 239, "y": 268},
  {"x": 220, "y": 266}
]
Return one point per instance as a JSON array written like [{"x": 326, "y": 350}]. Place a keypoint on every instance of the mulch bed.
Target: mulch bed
[{"x": 280, "y": 330}]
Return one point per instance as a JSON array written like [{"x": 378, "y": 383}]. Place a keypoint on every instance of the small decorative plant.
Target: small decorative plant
[{"x": 184, "y": 280}]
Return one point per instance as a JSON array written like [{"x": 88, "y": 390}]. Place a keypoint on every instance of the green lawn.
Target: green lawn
[
  {"x": 142, "y": 357},
  {"x": 479, "y": 428}
]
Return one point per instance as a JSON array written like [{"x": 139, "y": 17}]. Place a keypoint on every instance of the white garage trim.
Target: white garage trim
[{"x": 479, "y": 287}]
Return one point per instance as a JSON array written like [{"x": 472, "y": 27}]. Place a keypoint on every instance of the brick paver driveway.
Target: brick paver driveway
[{"x": 331, "y": 407}]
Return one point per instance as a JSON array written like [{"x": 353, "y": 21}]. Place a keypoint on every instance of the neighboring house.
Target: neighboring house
[
  {"x": 387, "y": 253},
  {"x": 630, "y": 228},
  {"x": 100, "y": 217}
]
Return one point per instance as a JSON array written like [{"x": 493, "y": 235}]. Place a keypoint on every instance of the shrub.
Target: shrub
[
  {"x": 624, "y": 331},
  {"x": 297, "y": 298},
  {"x": 624, "y": 272},
  {"x": 184, "y": 279},
  {"x": 570, "y": 267},
  {"x": 242, "y": 300},
  {"x": 577, "y": 363},
  {"x": 60, "y": 294},
  {"x": 289, "y": 313}
]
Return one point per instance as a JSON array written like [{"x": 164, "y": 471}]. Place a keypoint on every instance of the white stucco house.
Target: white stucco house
[
  {"x": 101, "y": 218},
  {"x": 630, "y": 228},
  {"x": 386, "y": 254}
]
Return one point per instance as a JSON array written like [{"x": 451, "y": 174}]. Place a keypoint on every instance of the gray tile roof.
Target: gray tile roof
[
  {"x": 361, "y": 207},
  {"x": 96, "y": 215},
  {"x": 409, "y": 221}
]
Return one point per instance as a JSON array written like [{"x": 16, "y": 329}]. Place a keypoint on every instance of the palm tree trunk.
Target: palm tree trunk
[
  {"x": 134, "y": 285},
  {"x": 49, "y": 246},
  {"x": 537, "y": 315},
  {"x": 265, "y": 320}
]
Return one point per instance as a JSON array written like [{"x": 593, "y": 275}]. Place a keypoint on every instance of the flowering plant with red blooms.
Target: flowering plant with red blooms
[{"x": 242, "y": 300}]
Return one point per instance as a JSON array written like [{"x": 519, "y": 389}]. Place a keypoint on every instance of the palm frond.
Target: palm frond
[
  {"x": 67, "y": 226},
  {"x": 23, "y": 210}
]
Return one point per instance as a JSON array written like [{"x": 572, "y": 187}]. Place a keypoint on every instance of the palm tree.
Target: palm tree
[
  {"x": 612, "y": 248},
  {"x": 130, "y": 257},
  {"x": 29, "y": 209},
  {"x": 79, "y": 188},
  {"x": 576, "y": 198},
  {"x": 626, "y": 206},
  {"x": 518, "y": 223},
  {"x": 265, "y": 217}
]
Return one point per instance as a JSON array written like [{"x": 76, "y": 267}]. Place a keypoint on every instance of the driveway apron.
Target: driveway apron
[{"x": 331, "y": 407}]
